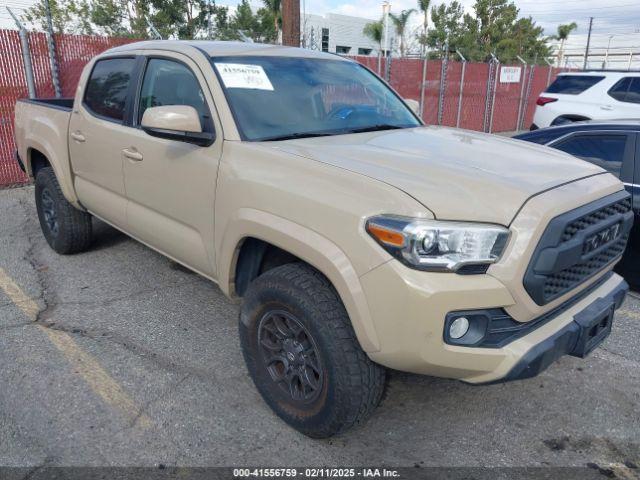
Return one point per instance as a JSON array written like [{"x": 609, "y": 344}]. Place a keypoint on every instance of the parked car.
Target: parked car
[
  {"x": 356, "y": 237},
  {"x": 614, "y": 146},
  {"x": 592, "y": 95}
]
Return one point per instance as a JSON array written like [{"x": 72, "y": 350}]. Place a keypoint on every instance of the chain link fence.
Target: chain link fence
[{"x": 464, "y": 94}]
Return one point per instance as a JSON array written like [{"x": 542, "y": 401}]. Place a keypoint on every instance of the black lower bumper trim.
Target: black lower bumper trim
[{"x": 587, "y": 330}]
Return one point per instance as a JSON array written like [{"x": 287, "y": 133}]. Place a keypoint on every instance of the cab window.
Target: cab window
[
  {"x": 106, "y": 92},
  {"x": 167, "y": 82}
]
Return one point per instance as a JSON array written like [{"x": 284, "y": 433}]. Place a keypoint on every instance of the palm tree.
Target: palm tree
[
  {"x": 274, "y": 7},
  {"x": 563, "y": 34},
  {"x": 375, "y": 32},
  {"x": 424, "y": 5},
  {"x": 400, "y": 22}
]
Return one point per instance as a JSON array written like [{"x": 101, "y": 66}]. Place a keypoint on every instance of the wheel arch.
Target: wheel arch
[
  {"x": 39, "y": 155},
  {"x": 254, "y": 236}
]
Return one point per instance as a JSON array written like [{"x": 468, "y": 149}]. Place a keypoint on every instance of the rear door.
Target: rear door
[
  {"x": 99, "y": 127},
  {"x": 623, "y": 98},
  {"x": 171, "y": 184}
]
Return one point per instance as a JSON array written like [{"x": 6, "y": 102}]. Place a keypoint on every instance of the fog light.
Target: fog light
[{"x": 459, "y": 327}]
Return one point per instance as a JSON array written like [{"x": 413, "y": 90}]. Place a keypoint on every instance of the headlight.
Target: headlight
[{"x": 438, "y": 245}]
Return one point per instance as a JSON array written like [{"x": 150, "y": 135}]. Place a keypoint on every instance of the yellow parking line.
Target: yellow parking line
[
  {"x": 83, "y": 363},
  {"x": 17, "y": 296}
]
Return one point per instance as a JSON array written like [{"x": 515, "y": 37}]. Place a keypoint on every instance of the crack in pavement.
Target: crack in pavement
[{"x": 161, "y": 396}]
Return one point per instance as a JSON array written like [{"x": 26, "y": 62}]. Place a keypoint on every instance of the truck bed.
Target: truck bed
[{"x": 42, "y": 128}]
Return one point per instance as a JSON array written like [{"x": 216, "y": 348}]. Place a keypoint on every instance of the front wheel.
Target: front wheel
[
  {"x": 66, "y": 229},
  {"x": 303, "y": 355}
]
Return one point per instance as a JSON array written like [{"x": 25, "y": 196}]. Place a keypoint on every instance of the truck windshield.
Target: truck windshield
[{"x": 278, "y": 98}]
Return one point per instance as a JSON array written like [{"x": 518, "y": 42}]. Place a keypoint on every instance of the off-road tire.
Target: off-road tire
[
  {"x": 352, "y": 385},
  {"x": 73, "y": 230}
]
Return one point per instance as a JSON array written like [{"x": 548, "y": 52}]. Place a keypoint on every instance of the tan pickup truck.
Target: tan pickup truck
[{"x": 356, "y": 237}]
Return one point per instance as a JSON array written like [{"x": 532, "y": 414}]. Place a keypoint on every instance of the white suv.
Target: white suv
[{"x": 595, "y": 95}]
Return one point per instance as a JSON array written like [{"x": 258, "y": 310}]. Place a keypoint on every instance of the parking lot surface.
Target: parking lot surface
[{"x": 120, "y": 357}]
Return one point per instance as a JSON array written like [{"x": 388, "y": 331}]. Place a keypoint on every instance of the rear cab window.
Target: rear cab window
[
  {"x": 107, "y": 88},
  {"x": 573, "y": 84}
]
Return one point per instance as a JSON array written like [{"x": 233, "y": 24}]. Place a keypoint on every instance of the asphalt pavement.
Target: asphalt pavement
[{"x": 118, "y": 356}]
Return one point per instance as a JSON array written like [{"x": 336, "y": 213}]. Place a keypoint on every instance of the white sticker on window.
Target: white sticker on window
[{"x": 238, "y": 75}]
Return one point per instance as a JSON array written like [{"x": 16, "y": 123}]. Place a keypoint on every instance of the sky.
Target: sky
[{"x": 620, "y": 18}]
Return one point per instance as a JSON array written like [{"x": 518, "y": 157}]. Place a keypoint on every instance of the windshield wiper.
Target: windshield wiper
[
  {"x": 375, "y": 128},
  {"x": 291, "y": 136}
]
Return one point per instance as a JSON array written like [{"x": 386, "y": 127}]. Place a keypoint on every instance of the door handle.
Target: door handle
[
  {"x": 606, "y": 107},
  {"x": 77, "y": 136},
  {"x": 132, "y": 155}
]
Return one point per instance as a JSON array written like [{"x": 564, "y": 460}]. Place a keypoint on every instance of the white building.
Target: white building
[{"x": 340, "y": 34}]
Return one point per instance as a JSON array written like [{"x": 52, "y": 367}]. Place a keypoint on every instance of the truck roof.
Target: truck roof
[{"x": 224, "y": 48}]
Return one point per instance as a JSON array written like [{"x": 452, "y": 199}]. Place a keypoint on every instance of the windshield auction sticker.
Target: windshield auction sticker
[{"x": 238, "y": 75}]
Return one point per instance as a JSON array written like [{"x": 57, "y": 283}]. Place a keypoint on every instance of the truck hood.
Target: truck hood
[{"x": 457, "y": 174}]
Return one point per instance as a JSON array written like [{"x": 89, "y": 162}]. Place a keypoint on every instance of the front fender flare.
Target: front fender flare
[{"x": 310, "y": 246}]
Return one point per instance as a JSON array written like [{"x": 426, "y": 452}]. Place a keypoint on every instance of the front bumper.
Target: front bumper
[
  {"x": 587, "y": 330},
  {"x": 408, "y": 309}
]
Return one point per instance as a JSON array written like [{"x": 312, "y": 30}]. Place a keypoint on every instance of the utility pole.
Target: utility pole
[
  {"x": 291, "y": 23},
  {"x": 386, "y": 8},
  {"x": 586, "y": 52}
]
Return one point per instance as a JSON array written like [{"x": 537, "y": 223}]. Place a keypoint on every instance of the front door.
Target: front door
[
  {"x": 98, "y": 130},
  {"x": 170, "y": 184}
]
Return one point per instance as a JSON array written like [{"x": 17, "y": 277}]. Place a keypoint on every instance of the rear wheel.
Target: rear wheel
[
  {"x": 303, "y": 355},
  {"x": 66, "y": 229}
]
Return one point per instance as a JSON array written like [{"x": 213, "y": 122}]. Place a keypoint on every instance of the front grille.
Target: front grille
[
  {"x": 563, "y": 281},
  {"x": 577, "y": 245},
  {"x": 600, "y": 215}
]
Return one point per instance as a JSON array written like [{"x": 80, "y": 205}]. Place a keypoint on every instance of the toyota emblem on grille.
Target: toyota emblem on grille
[{"x": 601, "y": 238}]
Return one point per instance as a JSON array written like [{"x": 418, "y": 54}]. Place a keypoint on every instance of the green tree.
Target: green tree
[
  {"x": 525, "y": 40},
  {"x": 273, "y": 6},
  {"x": 375, "y": 32},
  {"x": 563, "y": 34},
  {"x": 423, "y": 6},
  {"x": 493, "y": 27},
  {"x": 68, "y": 16},
  {"x": 124, "y": 18},
  {"x": 446, "y": 21},
  {"x": 400, "y": 23},
  {"x": 179, "y": 18},
  {"x": 260, "y": 27}
]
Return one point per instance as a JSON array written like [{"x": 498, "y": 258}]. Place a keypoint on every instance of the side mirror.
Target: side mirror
[
  {"x": 176, "y": 122},
  {"x": 413, "y": 105}
]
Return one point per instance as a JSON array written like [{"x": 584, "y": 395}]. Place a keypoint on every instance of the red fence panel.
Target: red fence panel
[
  {"x": 74, "y": 51},
  {"x": 12, "y": 86}
]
